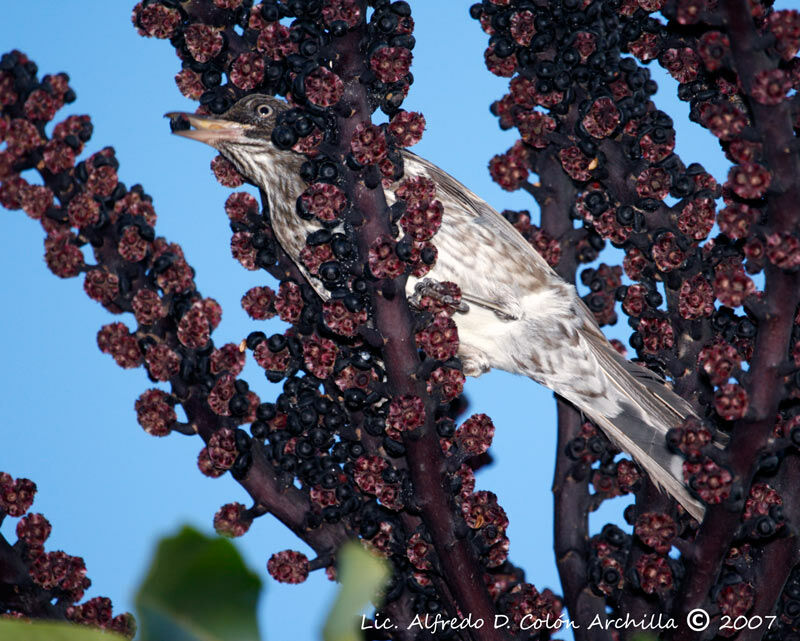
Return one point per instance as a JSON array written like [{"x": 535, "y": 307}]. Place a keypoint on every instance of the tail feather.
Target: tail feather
[
  {"x": 662, "y": 467},
  {"x": 648, "y": 410}
]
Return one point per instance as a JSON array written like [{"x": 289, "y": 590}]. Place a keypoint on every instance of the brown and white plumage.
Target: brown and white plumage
[{"x": 521, "y": 317}]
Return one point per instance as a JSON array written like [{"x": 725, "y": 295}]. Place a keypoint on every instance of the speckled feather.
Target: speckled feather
[{"x": 522, "y": 318}]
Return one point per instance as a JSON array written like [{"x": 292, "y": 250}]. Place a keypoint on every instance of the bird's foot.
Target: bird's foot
[{"x": 434, "y": 296}]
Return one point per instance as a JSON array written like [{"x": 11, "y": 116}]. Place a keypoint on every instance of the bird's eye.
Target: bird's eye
[{"x": 264, "y": 110}]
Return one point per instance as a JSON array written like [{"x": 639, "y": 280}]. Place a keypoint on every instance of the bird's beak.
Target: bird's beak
[{"x": 208, "y": 129}]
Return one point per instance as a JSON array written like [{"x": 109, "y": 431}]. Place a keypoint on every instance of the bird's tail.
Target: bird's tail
[{"x": 637, "y": 411}]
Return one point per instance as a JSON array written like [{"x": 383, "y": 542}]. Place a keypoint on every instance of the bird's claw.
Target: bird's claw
[{"x": 431, "y": 295}]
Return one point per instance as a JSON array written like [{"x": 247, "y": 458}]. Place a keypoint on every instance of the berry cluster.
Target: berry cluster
[
  {"x": 345, "y": 427},
  {"x": 345, "y": 446},
  {"x": 40, "y": 584},
  {"x": 581, "y": 101}
]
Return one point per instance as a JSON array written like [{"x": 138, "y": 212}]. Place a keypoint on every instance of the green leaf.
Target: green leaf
[
  {"x": 52, "y": 631},
  {"x": 362, "y": 575},
  {"x": 198, "y": 589}
]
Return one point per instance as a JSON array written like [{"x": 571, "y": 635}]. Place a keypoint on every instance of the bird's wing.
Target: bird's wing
[
  {"x": 474, "y": 207},
  {"x": 500, "y": 243}
]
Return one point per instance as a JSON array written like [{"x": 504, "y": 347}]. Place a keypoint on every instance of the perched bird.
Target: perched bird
[{"x": 519, "y": 316}]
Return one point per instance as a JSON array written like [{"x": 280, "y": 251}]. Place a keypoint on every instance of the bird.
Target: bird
[{"x": 518, "y": 314}]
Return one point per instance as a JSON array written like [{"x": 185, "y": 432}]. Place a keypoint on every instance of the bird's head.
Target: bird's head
[{"x": 241, "y": 134}]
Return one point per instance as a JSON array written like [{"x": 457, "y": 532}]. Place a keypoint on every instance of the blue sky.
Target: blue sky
[{"x": 109, "y": 489}]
